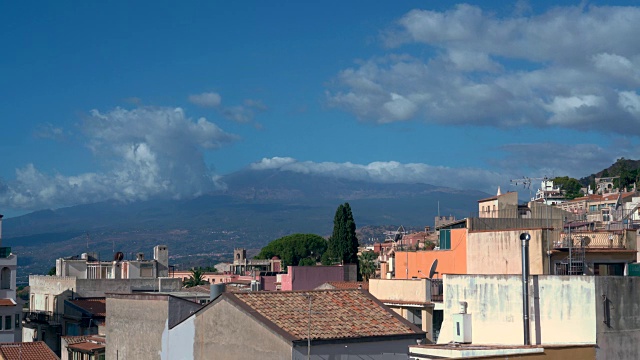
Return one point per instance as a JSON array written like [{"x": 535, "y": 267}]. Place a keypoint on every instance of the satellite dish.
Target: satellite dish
[
  {"x": 433, "y": 269},
  {"x": 585, "y": 241}
]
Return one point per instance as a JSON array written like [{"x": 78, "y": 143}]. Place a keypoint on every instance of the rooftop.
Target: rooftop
[
  {"x": 37, "y": 350},
  {"x": 335, "y": 314},
  {"x": 94, "y": 306},
  {"x": 343, "y": 285}
]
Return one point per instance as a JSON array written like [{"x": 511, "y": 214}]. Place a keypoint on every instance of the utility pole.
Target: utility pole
[{"x": 309, "y": 330}]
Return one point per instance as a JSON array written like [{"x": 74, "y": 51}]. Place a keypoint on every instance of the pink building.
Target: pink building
[{"x": 310, "y": 277}]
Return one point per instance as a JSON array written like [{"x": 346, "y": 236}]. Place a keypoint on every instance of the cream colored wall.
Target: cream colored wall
[
  {"x": 500, "y": 252},
  {"x": 562, "y": 308},
  {"x": 418, "y": 290}
]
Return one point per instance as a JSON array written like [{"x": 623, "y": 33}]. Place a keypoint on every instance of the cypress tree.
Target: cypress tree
[{"x": 343, "y": 243}]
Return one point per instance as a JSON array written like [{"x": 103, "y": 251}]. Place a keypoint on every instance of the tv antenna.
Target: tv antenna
[{"x": 526, "y": 182}]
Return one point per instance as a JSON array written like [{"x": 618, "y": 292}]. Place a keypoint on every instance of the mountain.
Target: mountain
[
  {"x": 256, "y": 207},
  {"x": 628, "y": 170}
]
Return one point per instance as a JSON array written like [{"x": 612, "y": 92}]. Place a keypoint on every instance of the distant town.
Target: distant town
[{"x": 554, "y": 277}]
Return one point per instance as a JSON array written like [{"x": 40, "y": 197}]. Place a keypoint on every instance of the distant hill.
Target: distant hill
[
  {"x": 257, "y": 207},
  {"x": 627, "y": 169}
]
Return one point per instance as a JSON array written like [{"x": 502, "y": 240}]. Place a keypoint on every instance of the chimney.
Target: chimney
[{"x": 525, "y": 237}]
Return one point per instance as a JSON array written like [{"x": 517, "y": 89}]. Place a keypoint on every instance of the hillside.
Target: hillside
[
  {"x": 628, "y": 170},
  {"x": 256, "y": 207}
]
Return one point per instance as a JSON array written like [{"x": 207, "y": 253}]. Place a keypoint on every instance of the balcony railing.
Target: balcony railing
[
  {"x": 437, "y": 290},
  {"x": 591, "y": 239},
  {"x": 42, "y": 317}
]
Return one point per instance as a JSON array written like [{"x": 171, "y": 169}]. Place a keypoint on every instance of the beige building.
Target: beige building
[
  {"x": 413, "y": 300},
  {"x": 10, "y": 305},
  {"x": 86, "y": 277},
  {"x": 346, "y": 324}
]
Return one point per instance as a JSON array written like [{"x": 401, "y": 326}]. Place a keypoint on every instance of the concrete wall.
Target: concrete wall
[
  {"x": 453, "y": 261},
  {"x": 135, "y": 328},
  {"x": 562, "y": 308},
  {"x": 618, "y": 317},
  {"x": 99, "y": 287},
  {"x": 178, "y": 343},
  {"x": 481, "y": 224},
  {"x": 180, "y": 309},
  {"x": 44, "y": 289},
  {"x": 375, "y": 350},
  {"x": 225, "y": 332},
  {"x": 418, "y": 290},
  {"x": 500, "y": 252}
]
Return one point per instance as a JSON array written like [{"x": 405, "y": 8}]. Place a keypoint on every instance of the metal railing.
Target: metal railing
[
  {"x": 42, "y": 317},
  {"x": 592, "y": 239},
  {"x": 437, "y": 290}
]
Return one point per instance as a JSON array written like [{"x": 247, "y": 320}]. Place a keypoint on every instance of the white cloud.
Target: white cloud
[
  {"x": 146, "y": 153},
  {"x": 572, "y": 67},
  {"x": 209, "y": 99},
  {"x": 391, "y": 172}
]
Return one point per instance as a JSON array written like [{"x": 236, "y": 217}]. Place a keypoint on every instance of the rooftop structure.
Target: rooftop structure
[
  {"x": 26, "y": 351},
  {"x": 83, "y": 347}
]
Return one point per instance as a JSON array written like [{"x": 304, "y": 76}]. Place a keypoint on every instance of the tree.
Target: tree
[
  {"x": 570, "y": 186},
  {"x": 343, "y": 243},
  {"x": 196, "y": 278},
  {"x": 296, "y": 249},
  {"x": 52, "y": 271},
  {"x": 367, "y": 265}
]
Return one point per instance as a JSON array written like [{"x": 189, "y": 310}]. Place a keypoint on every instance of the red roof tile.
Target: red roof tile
[
  {"x": 95, "y": 306},
  {"x": 335, "y": 314},
  {"x": 37, "y": 350},
  {"x": 87, "y": 346},
  {"x": 344, "y": 285},
  {"x": 7, "y": 302}
]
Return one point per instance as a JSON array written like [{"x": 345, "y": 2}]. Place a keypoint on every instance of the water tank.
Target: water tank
[{"x": 216, "y": 290}]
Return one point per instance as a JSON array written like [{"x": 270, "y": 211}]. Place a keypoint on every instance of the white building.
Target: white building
[{"x": 10, "y": 309}]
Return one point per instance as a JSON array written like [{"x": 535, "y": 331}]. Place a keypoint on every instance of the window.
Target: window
[
  {"x": 415, "y": 316},
  {"x": 5, "y": 278},
  {"x": 7, "y": 322},
  {"x": 445, "y": 239}
]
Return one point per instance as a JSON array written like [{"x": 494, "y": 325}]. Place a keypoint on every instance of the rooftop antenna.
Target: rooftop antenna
[
  {"x": 526, "y": 183},
  {"x": 88, "y": 238}
]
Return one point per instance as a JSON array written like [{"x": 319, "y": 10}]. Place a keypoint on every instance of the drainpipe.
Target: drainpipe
[{"x": 525, "y": 237}]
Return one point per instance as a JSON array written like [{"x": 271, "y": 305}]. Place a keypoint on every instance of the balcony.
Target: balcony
[
  {"x": 5, "y": 252},
  {"x": 42, "y": 317},
  {"x": 592, "y": 240}
]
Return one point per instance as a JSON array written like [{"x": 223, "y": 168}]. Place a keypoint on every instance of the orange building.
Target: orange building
[{"x": 450, "y": 261}]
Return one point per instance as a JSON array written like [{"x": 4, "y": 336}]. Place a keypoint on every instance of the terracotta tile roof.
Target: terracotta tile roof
[
  {"x": 205, "y": 289},
  {"x": 7, "y": 302},
  {"x": 95, "y": 306},
  {"x": 84, "y": 338},
  {"x": 335, "y": 314},
  {"x": 343, "y": 285},
  {"x": 37, "y": 350},
  {"x": 87, "y": 346}
]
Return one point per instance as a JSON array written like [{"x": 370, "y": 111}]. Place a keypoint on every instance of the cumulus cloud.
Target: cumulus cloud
[
  {"x": 391, "y": 172},
  {"x": 209, "y": 99},
  {"x": 240, "y": 113},
  {"x": 146, "y": 153},
  {"x": 574, "y": 67}
]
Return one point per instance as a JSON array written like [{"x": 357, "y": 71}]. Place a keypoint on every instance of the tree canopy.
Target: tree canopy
[
  {"x": 296, "y": 249},
  {"x": 196, "y": 278},
  {"x": 367, "y": 265},
  {"x": 343, "y": 243},
  {"x": 570, "y": 186}
]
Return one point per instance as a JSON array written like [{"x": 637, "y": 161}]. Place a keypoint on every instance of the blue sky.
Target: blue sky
[{"x": 114, "y": 100}]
